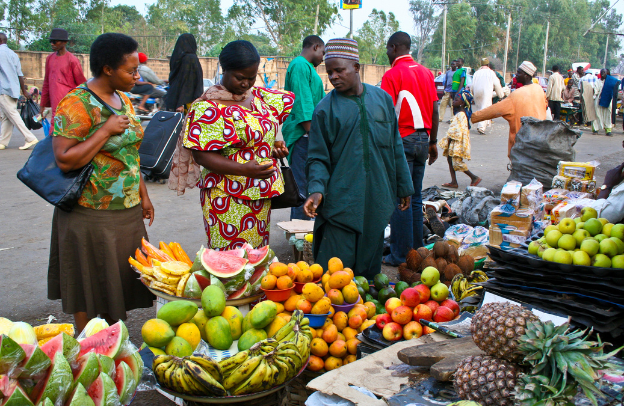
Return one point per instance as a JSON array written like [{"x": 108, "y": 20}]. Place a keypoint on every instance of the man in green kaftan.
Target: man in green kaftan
[
  {"x": 356, "y": 166},
  {"x": 306, "y": 84}
]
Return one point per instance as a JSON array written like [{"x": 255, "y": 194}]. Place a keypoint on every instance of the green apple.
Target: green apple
[
  {"x": 603, "y": 220},
  {"x": 552, "y": 237},
  {"x": 590, "y": 246},
  {"x": 581, "y": 258},
  {"x": 617, "y": 262},
  {"x": 593, "y": 226},
  {"x": 577, "y": 220},
  {"x": 549, "y": 254},
  {"x": 439, "y": 292},
  {"x": 549, "y": 229},
  {"x": 533, "y": 247},
  {"x": 601, "y": 260},
  {"x": 617, "y": 231},
  {"x": 580, "y": 225},
  {"x": 579, "y": 236},
  {"x": 563, "y": 257},
  {"x": 606, "y": 229},
  {"x": 567, "y": 226},
  {"x": 430, "y": 276},
  {"x": 619, "y": 243},
  {"x": 588, "y": 213},
  {"x": 600, "y": 237},
  {"x": 541, "y": 249},
  {"x": 608, "y": 247},
  {"x": 567, "y": 242}
]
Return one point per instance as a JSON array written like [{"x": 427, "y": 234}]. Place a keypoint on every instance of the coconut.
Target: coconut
[
  {"x": 466, "y": 264},
  {"x": 429, "y": 261},
  {"x": 440, "y": 264},
  {"x": 450, "y": 271},
  {"x": 423, "y": 252},
  {"x": 413, "y": 260},
  {"x": 452, "y": 256},
  {"x": 440, "y": 248}
]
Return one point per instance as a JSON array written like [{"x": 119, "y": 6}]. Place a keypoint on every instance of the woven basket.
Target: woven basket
[
  {"x": 307, "y": 253},
  {"x": 296, "y": 392}
]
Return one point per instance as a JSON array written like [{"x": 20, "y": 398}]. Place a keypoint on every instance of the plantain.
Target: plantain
[
  {"x": 209, "y": 365},
  {"x": 292, "y": 367},
  {"x": 168, "y": 373},
  {"x": 242, "y": 372},
  {"x": 159, "y": 359},
  {"x": 204, "y": 378},
  {"x": 159, "y": 371},
  {"x": 253, "y": 382},
  {"x": 229, "y": 364},
  {"x": 267, "y": 381},
  {"x": 283, "y": 369},
  {"x": 285, "y": 330},
  {"x": 179, "y": 381}
]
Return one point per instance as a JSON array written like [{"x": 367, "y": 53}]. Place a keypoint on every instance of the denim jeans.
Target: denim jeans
[
  {"x": 299, "y": 156},
  {"x": 406, "y": 227}
]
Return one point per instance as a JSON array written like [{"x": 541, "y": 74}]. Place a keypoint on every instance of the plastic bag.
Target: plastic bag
[
  {"x": 539, "y": 146},
  {"x": 46, "y": 126},
  {"x": 28, "y": 113}
]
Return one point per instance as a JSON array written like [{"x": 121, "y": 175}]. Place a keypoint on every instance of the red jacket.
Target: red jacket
[{"x": 413, "y": 92}]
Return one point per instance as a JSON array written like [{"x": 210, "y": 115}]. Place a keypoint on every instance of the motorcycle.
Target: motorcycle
[{"x": 153, "y": 104}]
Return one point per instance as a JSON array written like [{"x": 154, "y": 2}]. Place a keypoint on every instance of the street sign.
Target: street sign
[{"x": 350, "y": 4}]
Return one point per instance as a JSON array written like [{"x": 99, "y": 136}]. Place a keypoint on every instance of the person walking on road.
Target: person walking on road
[
  {"x": 62, "y": 72},
  {"x": 11, "y": 84},
  {"x": 186, "y": 76},
  {"x": 484, "y": 82},
  {"x": 306, "y": 84},
  {"x": 414, "y": 96},
  {"x": 356, "y": 165},
  {"x": 459, "y": 77},
  {"x": 447, "y": 101},
  {"x": 604, "y": 90},
  {"x": 554, "y": 92}
]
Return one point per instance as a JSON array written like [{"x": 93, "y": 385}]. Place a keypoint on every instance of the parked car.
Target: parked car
[{"x": 207, "y": 84}]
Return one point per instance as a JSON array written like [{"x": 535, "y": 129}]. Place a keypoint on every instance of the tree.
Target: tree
[
  {"x": 373, "y": 36},
  {"x": 20, "y": 18},
  {"x": 425, "y": 23}
]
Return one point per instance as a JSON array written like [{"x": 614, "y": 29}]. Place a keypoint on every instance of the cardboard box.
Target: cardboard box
[
  {"x": 578, "y": 170},
  {"x": 521, "y": 219},
  {"x": 511, "y": 193},
  {"x": 508, "y": 236}
]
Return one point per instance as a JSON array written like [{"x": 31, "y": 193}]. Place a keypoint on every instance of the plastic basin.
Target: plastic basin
[
  {"x": 278, "y": 295},
  {"x": 316, "y": 320},
  {"x": 344, "y": 308}
]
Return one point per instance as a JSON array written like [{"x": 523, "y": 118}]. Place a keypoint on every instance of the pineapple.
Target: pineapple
[
  {"x": 496, "y": 328},
  {"x": 487, "y": 380}
]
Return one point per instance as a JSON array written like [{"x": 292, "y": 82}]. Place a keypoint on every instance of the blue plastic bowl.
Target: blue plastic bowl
[{"x": 316, "y": 320}]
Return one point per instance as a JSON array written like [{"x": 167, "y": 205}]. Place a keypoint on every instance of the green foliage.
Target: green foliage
[
  {"x": 425, "y": 22},
  {"x": 373, "y": 36}
]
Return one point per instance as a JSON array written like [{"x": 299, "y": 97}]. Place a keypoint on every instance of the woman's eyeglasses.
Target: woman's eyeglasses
[{"x": 131, "y": 72}]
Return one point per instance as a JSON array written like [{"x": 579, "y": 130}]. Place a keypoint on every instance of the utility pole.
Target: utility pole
[
  {"x": 351, "y": 23},
  {"x": 518, "y": 44},
  {"x": 444, "y": 39},
  {"x": 506, "y": 46},
  {"x": 316, "y": 20},
  {"x": 546, "y": 48},
  {"x": 604, "y": 65}
]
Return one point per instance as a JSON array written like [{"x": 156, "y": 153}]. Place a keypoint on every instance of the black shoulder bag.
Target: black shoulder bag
[
  {"x": 43, "y": 176},
  {"x": 291, "y": 197}
]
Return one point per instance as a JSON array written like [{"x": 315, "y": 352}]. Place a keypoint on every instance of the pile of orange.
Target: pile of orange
[{"x": 282, "y": 276}]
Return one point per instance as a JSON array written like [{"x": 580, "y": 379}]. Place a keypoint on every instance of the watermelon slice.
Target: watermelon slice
[
  {"x": 258, "y": 274},
  {"x": 107, "y": 365},
  {"x": 238, "y": 252},
  {"x": 110, "y": 341},
  {"x": 193, "y": 289},
  {"x": 56, "y": 384},
  {"x": 103, "y": 391},
  {"x": 135, "y": 362},
  {"x": 197, "y": 264},
  {"x": 87, "y": 371},
  {"x": 80, "y": 397},
  {"x": 239, "y": 293},
  {"x": 222, "y": 265},
  {"x": 36, "y": 363},
  {"x": 62, "y": 343},
  {"x": 14, "y": 395},
  {"x": 257, "y": 256},
  {"x": 11, "y": 354},
  {"x": 125, "y": 382}
]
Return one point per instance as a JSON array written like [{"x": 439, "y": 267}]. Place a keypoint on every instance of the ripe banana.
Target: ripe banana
[
  {"x": 242, "y": 372},
  {"x": 228, "y": 365},
  {"x": 209, "y": 365},
  {"x": 159, "y": 359},
  {"x": 167, "y": 376},
  {"x": 254, "y": 380},
  {"x": 159, "y": 371},
  {"x": 178, "y": 381},
  {"x": 283, "y": 368},
  {"x": 285, "y": 330},
  {"x": 204, "y": 378}
]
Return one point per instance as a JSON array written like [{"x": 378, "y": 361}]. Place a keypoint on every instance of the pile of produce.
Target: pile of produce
[
  {"x": 102, "y": 369},
  {"x": 282, "y": 276},
  {"x": 169, "y": 270},
  {"x": 265, "y": 364},
  {"x": 443, "y": 256},
  {"x": 467, "y": 291},
  {"x": 586, "y": 241},
  {"x": 529, "y": 362}
]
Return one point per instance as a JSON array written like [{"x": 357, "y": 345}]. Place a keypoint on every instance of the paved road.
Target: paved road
[{"x": 26, "y": 219}]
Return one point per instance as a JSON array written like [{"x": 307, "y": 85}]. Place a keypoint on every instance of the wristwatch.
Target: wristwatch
[{"x": 605, "y": 187}]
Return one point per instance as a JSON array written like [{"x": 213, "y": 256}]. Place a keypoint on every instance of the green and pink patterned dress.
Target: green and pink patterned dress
[{"x": 237, "y": 208}]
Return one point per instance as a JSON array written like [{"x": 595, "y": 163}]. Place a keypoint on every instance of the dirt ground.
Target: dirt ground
[{"x": 25, "y": 222}]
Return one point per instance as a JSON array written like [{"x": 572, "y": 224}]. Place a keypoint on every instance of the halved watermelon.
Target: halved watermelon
[
  {"x": 36, "y": 363},
  {"x": 257, "y": 256},
  {"x": 110, "y": 341},
  {"x": 237, "y": 252},
  {"x": 57, "y": 382},
  {"x": 221, "y": 264},
  {"x": 125, "y": 382},
  {"x": 14, "y": 395},
  {"x": 103, "y": 391},
  {"x": 64, "y": 343},
  {"x": 135, "y": 362},
  {"x": 239, "y": 293},
  {"x": 11, "y": 354},
  {"x": 79, "y": 397},
  {"x": 87, "y": 371}
]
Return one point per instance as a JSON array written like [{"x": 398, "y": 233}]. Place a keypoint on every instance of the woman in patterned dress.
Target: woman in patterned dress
[
  {"x": 231, "y": 131},
  {"x": 456, "y": 144}
]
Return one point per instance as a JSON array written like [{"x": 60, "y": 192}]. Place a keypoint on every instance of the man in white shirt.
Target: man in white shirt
[
  {"x": 554, "y": 92},
  {"x": 484, "y": 82},
  {"x": 610, "y": 201}
]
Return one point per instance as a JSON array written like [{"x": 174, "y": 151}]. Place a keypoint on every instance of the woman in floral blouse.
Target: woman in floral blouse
[{"x": 231, "y": 131}]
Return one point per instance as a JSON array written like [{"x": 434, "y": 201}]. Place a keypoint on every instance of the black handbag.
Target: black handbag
[
  {"x": 291, "y": 197},
  {"x": 43, "y": 176}
]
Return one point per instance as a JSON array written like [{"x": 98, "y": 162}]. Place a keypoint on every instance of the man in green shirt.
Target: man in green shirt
[
  {"x": 306, "y": 84},
  {"x": 356, "y": 166},
  {"x": 459, "y": 78}
]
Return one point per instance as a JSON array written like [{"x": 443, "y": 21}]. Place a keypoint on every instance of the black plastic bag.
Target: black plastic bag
[{"x": 28, "y": 113}]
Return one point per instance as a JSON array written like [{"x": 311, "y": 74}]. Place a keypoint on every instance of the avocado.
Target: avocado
[
  {"x": 381, "y": 309},
  {"x": 361, "y": 291},
  {"x": 385, "y": 294},
  {"x": 375, "y": 301},
  {"x": 381, "y": 281},
  {"x": 373, "y": 292},
  {"x": 416, "y": 283},
  {"x": 361, "y": 281},
  {"x": 368, "y": 298},
  {"x": 400, "y": 287}
]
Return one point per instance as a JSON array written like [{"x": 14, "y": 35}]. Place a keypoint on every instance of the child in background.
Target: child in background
[{"x": 456, "y": 144}]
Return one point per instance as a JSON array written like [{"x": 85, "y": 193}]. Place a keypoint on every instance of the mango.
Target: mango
[
  {"x": 322, "y": 306},
  {"x": 291, "y": 303},
  {"x": 234, "y": 318},
  {"x": 350, "y": 294},
  {"x": 200, "y": 321},
  {"x": 157, "y": 333},
  {"x": 213, "y": 301},
  {"x": 190, "y": 332},
  {"x": 219, "y": 333},
  {"x": 312, "y": 292},
  {"x": 262, "y": 314},
  {"x": 179, "y": 347},
  {"x": 177, "y": 312},
  {"x": 246, "y": 323},
  {"x": 275, "y": 325},
  {"x": 250, "y": 337}
]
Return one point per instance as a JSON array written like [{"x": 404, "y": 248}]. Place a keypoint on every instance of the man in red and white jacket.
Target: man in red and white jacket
[{"x": 413, "y": 92}]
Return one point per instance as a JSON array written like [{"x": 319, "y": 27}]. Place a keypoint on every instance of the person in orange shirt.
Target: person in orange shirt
[{"x": 529, "y": 100}]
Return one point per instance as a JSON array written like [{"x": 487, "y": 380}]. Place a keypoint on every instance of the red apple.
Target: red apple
[
  {"x": 443, "y": 314},
  {"x": 422, "y": 311},
  {"x": 451, "y": 304},
  {"x": 423, "y": 291},
  {"x": 410, "y": 297},
  {"x": 392, "y": 303},
  {"x": 413, "y": 329},
  {"x": 402, "y": 315},
  {"x": 382, "y": 320},
  {"x": 392, "y": 331},
  {"x": 433, "y": 305}
]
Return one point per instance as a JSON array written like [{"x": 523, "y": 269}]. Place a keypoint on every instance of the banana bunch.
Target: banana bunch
[
  {"x": 193, "y": 375},
  {"x": 466, "y": 289}
]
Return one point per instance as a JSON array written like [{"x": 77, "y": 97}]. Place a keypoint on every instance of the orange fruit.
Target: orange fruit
[
  {"x": 280, "y": 307},
  {"x": 304, "y": 305},
  {"x": 332, "y": 363},
  {"x": 336, "y": 297},
  {"x": 349, "y": 333},
  {"x": 341, "y": 320},
  {"x": 316, "y": 363},
  {"x": 291, "y": 304},
  {"x": 334, "y": 265},
  {"x": 305, "y": 276},
  {"x": 338, "y": 349},
  {"x": 349, "y": 359},
  {"x": 284, "y": 282},
  {"x": 339, "y": 280},
  {"x": 278, "y": 269},
  {"x": 284, "y": 316},
  {"x": 268, "y": 282},
  {"x": 355, "y": 321},
  {"x": 313, "y": 332},
  {"x": 352, "y": 345},
  {"x": 319, "y": 347},
  {"x": 317, "y": 271}
]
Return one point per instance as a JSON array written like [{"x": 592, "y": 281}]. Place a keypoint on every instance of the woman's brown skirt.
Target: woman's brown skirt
[{"x": 89, "y": 268}]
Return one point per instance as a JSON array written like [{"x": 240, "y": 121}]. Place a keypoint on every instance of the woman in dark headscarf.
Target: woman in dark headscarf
[{"x": 186, "y": 78}]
